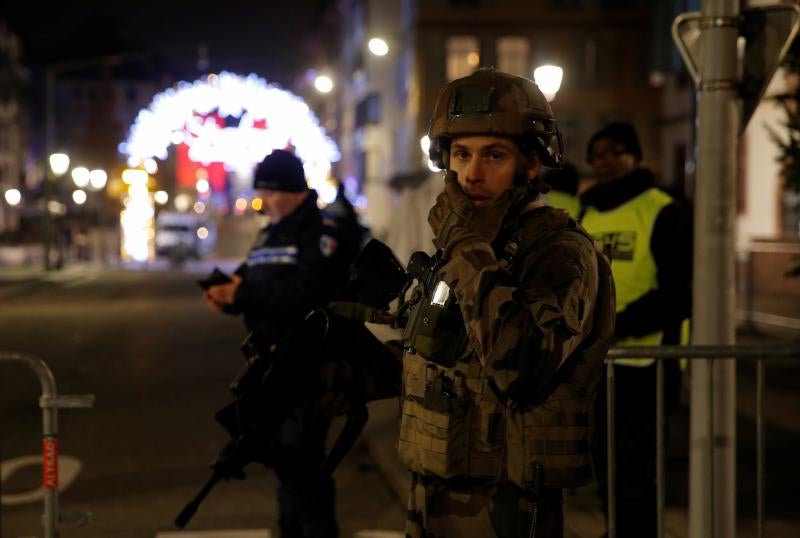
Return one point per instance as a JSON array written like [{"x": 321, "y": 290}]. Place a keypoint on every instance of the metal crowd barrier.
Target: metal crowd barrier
[
  {"x": 660, "y": 353},
  {"x": 51, "y": 402}
]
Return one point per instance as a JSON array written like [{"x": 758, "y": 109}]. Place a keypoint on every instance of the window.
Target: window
[
  {"x": 512, "y": 55},
  {"x": 368, "y": 110},
  {"x": 463, "y": 56}
]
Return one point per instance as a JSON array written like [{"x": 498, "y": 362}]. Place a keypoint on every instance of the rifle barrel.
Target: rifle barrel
[{"x": 191, "y": 507}]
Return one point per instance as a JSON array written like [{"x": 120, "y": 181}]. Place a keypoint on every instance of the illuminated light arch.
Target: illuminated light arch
[{"x": 230, "y": 122}]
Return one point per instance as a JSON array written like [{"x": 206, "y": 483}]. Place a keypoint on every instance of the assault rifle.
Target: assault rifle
[{"x": 279, "y": 376}]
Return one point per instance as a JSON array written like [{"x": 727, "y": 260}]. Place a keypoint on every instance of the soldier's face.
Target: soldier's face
[
  {"x": 486, "y": 165},
  {"x": 610, "y": 160},
  {"x": 278, "y": 204}
]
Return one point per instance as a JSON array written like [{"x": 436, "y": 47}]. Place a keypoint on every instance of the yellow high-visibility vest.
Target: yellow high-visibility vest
[
  {"x": 625, "y": 232},
  {"x": 562, "y": 200}
]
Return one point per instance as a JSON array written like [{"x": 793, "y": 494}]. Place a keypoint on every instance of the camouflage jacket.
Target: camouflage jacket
[{"x": 524, "y": 318}]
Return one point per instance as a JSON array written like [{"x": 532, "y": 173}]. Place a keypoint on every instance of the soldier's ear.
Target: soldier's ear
[{"x": 534, "y": 165}]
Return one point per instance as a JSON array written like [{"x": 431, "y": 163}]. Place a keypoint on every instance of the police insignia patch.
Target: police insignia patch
[{"x": 327, "y": 245}]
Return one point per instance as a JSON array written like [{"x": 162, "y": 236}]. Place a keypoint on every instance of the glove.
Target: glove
[{"x": 456, "y": 222}]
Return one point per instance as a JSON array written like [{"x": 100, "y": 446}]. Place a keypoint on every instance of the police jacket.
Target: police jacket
[
  {"x": 525, "y": 320},
  {"x": 295, "y": 265},
  {"x": 667, "y": 297}
]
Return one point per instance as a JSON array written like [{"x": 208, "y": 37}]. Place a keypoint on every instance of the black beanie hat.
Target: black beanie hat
[
  {"x": 621, "y": 132},
  {"x": 280, "y": 171}
]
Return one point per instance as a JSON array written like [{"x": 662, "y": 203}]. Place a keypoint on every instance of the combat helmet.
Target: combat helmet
[{"x": 490, "y": 102}]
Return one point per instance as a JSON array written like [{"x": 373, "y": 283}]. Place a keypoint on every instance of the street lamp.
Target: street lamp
[
  {"x": 98, "y": 179},
  {"x": 80, "y": 176},
  {"x": 59, "y": 163},
  {"x": 323, "y": 83},
  {"x": 79, "y": 196},
  {"x": 13, "y": 197},
  {"x": 548, "y": 78},
  {"x": 378, "y": 46}
]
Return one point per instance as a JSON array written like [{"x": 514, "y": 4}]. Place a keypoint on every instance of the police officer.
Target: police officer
[
  {"x": 509, "y": 326},
  {"x": 648, "y": 237},
  {"x": 296, "y": 264}
]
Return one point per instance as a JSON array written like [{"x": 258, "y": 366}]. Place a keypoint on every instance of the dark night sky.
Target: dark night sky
[{"x": 268, "y": 38}]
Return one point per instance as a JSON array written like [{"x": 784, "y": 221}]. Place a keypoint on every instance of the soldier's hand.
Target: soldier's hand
[
  {"x": 224, "y": 294},
  {"x": 455, "y": 221}
]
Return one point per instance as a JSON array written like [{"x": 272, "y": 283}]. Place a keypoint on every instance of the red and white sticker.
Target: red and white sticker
[{"x": 50, "y": 463}]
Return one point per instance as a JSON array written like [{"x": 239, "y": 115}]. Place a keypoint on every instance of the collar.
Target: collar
[
  {"x": 304, "y": 211},
  {"x": 610, "y": 195}
]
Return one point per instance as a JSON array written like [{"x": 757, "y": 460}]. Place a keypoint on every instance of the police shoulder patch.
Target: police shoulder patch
[{"x": 327, "y": 245}]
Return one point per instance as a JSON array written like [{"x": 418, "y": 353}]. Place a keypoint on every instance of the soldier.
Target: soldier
[
  {"x": 297, "y": 263},
  {"x": 508, "y": 331}
]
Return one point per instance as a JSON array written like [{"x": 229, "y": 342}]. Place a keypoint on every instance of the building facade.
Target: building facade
[
  {"x": 13, "y": 77},
  {"x": 386, "y": 102}
]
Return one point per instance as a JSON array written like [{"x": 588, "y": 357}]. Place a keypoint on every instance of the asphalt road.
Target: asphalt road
[{"x": 158, "y": 362}]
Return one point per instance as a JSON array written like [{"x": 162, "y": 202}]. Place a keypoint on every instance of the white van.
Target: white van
[{"x": 184, "y": 234}]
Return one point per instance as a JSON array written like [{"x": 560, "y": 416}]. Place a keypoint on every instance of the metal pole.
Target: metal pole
[
  {"x": 49, "y": 134},
  {"x": 49, "y": 431},
  {"x": 611, "y": 446},
  {"x": 760, "y": 447},
  {"x": 660, "y": 452},
  {"x": 712, "y": 506}
]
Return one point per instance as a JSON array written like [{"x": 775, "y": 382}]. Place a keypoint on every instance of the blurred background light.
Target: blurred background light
[
  {"x": 378, "y": 46},
  {"x": 59, "y": 163},
  {"x": 183, "y": 202},
  {"x": 79, "y": 197},
  {"x": 150, "y": 165},
  {"x": 80, "y": 176},
  {"x": 323, "y": 84},
  {"x": 202, "y": 186},
  {"x": 131, "y": 176},
  {"x": 98, "y": 179},
  {"x": 13, "y": 197}
]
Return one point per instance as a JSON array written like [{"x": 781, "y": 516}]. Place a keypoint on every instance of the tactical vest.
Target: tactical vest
[
  {"x": 625, "y": 233},
  {"x": 454, "y": 423}
]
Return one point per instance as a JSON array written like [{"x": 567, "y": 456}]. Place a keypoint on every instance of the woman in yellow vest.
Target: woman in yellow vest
[
  {"x": 563, "y": 192},
  {"x": 647, "y": 235}
]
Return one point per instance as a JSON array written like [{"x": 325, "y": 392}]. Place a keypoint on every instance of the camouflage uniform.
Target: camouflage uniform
[{"x": 504, "y": 348}]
